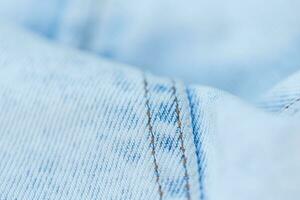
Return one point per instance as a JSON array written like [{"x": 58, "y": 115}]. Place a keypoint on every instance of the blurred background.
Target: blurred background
[{"x": 243, "y": 47}]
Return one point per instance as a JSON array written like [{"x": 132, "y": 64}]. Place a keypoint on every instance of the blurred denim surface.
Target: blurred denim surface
[
  {"x": 76, "y": 126},
  {"x": 233, "y": 45}
]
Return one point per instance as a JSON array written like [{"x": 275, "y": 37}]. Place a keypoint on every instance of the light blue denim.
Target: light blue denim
[{"x": 76, "y": 126}]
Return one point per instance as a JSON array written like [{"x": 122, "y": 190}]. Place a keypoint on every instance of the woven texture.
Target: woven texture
[{"x": 75, "y": 126}]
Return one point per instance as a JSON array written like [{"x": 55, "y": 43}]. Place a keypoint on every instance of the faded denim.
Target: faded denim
[{"x": 76, "y": 126}]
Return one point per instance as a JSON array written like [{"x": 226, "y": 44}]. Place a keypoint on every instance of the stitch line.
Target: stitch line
[
  {"x": 152, "y": 139},
  {"x": 182, "y": 148}
]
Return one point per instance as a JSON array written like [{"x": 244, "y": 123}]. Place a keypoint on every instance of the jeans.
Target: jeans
[{"x": 76, "y": 126}]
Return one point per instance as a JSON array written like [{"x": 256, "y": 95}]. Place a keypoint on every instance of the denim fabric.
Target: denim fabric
[
  {"x": 284, "y": 97},
  {"x": 202, "y": 103},
  {"x": 257, "y": 152},
  {"x": 243, "y": 152},
  {"x": 76, "y": 126}
]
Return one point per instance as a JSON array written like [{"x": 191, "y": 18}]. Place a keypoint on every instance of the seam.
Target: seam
[
  {"x": 152, "y": 137},
  {"x": 200, "y": 156},
  {"x": 182, "y": 147}
]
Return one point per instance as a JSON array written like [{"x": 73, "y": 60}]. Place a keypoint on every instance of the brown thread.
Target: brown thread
[
  {"x": 182, "y": 148},
  {"x": 153, "y": 153},
  {"x": 289, "y": 105}
]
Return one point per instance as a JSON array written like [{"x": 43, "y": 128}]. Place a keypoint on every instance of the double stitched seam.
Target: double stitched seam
[
  {"x": 152, "y": 138},
  {"x": 182, "y": 148}
]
